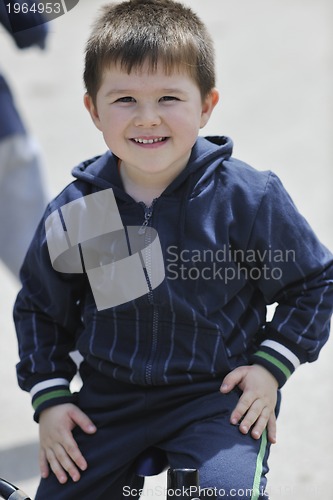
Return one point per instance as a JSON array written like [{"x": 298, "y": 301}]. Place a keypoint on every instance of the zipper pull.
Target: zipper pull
[{"x": 148, "y": 214}]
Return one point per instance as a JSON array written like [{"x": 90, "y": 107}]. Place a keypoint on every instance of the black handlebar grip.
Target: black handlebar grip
[{"x": 10, "y": 492}]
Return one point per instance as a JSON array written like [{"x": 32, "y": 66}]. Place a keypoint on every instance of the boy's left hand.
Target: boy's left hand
[{"x": 256, "y": 405}]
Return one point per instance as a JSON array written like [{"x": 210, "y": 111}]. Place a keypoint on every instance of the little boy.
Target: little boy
[{"x": 157, "y": 263}]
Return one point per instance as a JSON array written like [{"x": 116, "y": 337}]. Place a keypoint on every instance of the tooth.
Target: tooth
[{"x": 149, "y": 141}]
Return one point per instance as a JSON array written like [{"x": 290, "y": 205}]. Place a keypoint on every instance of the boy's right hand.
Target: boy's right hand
[{"x": 58, "y": 448}]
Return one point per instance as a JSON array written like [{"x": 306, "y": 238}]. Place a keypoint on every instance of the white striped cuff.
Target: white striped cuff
[
  {"x": 48, "y": 384},
  {"x": 284, "y": 351}
]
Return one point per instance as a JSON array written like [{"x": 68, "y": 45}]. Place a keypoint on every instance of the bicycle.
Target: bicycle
[
  {"x": 153, "y": 461},
  {"x": 11, "y": 492}
]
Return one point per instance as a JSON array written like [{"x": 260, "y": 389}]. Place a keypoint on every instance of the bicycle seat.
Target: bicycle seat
[{"x": 151, "y": 462}]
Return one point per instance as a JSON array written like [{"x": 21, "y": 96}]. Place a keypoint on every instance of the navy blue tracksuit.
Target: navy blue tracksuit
[
  {"x": 190, "y": 422},
  {"x": 232, "y": 242}
]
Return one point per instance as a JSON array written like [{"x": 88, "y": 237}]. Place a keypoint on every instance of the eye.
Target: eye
[
  {"x": 125, "y": 99},
  {"x": 167, "y": 98}
]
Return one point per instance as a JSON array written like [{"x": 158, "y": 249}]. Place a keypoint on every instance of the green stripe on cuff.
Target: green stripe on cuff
[
  {"x": 275, "y": 362},
  {"x": 50, "y": 395}
]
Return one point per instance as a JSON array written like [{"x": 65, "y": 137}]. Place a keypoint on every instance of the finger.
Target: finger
[
  {"x": 231, "y": 380},
  {"x": 257, "y": 416},
  {"x": 242, "y": 407},
  {"x": 43, "y": 464},
  {"x": 271, "y": 429},
  {"x": 56, "y": 467},
  {"x": 72, "y": 450},
  {"x": 260, "y": 423},
  {"x": 82, "y": 420},
  {"x": 66, "y": 463}
]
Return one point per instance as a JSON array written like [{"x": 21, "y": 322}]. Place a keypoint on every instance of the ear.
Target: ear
[
  {"x": 90, "y": 106},
  {"x": 208, "y": 105}
]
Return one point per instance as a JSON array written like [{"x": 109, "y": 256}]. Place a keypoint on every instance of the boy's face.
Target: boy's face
[{"x": 150, "y": 120}]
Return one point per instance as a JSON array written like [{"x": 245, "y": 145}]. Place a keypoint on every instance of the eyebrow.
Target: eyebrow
[
  {"x": 132, "y": 91},
  {"x": 118, "y": 91}
]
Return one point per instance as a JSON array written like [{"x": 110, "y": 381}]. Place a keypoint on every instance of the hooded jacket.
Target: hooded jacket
[{"x": 232, "y": 243}]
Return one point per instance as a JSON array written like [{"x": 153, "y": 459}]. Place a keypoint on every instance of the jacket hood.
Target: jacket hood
[{"x": 207, "y": 154}]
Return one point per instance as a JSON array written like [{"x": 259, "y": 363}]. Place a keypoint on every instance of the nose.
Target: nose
[{"x": 147, "y": 116}]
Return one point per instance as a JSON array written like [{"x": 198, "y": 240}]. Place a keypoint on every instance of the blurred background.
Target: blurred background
[{"x": 275, "y": 75}]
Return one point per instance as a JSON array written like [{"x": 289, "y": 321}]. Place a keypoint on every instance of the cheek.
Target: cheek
[
  {"x": 189, "y": 116},
  {"x": 113, "y": 116},
  {"x": 113, "y": 125},
  {"x": 188, "y": 123}
]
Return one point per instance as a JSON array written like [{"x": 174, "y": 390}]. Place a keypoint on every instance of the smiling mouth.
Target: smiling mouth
[{"x": 156, "y": 140}]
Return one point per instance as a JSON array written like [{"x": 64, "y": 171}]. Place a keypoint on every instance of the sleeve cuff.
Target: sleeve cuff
[
  {"x": 50, "y": 393},
  {"x": 276, "y": 358}
]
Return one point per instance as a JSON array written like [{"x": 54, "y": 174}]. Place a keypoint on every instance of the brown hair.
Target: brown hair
[{"x": 133, "y": 32}]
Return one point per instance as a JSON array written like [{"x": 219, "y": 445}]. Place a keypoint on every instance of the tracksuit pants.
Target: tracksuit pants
[{"x": 189, "y": 422}]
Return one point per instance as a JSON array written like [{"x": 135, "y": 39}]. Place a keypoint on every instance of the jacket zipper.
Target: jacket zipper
[{"x": 148, "y": 212}]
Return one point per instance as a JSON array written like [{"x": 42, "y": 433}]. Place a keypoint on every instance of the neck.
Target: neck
[{"x": 146, "y": 186}]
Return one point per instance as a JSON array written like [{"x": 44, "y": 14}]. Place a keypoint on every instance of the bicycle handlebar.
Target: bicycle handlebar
[{"x": 10, "y": 492}]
